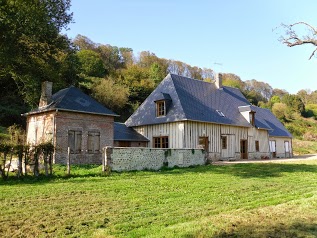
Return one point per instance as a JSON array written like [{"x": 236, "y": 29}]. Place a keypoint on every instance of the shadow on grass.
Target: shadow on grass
[
  {"x": 297, "y": 229},
  {"x": 252, "y": 170}
]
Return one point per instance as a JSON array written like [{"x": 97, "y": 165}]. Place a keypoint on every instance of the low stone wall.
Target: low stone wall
[{"x": 136, "y": 158}]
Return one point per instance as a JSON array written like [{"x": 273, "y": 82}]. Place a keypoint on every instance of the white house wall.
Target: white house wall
[
  {"x": 40, "y": 128},
  {"x": 186, "y": 135},
  {"x": 174, "y": 131},
  {"x": 261, "y": 136},
  {"x": 280, "y": 147}
]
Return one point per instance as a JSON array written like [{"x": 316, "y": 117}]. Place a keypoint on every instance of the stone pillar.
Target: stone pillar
[{"x": 106, "y": 160}]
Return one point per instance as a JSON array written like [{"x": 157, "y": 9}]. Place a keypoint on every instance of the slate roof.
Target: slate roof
[
  {"x": 197, "y": 100},
  {"x": 124, "y": 133},
  {"x": 264, "y": 118},
  {"x": 73, "y": 99}
]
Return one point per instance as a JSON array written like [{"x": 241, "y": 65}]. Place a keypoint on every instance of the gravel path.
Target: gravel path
[{"x": 275, "y": 160}]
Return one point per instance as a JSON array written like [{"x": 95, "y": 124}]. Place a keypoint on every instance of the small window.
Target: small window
[
  {"x": 160, "y": 109},
  {"x": 220, "y": 113},
  {"x": 160, "y": 142},
  {"x": 224, "y": 142},
  {"x": 93, "y": 143},
  {"x": 257, "y": 146},
  {"x": 74, "y": 141}
]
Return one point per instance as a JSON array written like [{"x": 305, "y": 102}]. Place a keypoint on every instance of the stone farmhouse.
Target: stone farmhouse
[
  {"x": 188, "y": 113},
  {"x": 181, "y": 113}
]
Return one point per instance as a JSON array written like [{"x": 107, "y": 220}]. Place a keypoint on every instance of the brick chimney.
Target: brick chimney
[
  {"x": 46, "y": 94},
  {"x": 218, "y": 81}
]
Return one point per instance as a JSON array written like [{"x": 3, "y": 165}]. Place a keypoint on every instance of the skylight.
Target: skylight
[{"x": 220, "y": 113}]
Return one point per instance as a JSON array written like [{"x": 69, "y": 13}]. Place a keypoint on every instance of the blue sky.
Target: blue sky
[{"x": 237, "y": 34}]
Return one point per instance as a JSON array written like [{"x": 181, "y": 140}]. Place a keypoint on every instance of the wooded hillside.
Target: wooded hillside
[
  {"x": 122, "y": 79},
  {"x": 33, "y": 50}
]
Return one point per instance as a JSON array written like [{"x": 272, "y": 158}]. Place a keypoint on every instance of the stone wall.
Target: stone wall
[{"x": 136, "y": 158}]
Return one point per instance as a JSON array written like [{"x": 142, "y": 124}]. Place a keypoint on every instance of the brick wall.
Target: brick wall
[
  {"x": 83, "y": 122},
  {"x": 127, "y": 159}
]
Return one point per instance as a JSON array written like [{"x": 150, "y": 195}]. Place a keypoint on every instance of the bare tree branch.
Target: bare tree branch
[{"x": 292, "y": 39}]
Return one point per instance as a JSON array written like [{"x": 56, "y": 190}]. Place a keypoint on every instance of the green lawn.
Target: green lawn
[{"x": 242, "y": 200}]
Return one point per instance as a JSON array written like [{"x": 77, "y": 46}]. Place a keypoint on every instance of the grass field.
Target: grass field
[{"x": 241, "y": 200}]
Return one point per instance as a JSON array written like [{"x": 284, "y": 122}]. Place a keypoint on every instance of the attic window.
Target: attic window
[
  {"x": 220, "y": 113},
  {"x": 160, "y": 109}
]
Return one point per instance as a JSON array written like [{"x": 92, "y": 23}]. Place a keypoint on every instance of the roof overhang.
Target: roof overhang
[{"x": 67, "y": 110}]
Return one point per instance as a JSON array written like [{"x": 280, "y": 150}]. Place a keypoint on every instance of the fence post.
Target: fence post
[
  {"x": 106, "y": 161},
  {"x": 68, "y": 161}
]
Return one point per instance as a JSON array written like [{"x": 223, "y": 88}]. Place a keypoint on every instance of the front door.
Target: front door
[{"x": 244, "y": 149}]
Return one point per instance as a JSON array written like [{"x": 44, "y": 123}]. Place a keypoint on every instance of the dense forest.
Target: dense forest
[{"x": 33, "y": 50}]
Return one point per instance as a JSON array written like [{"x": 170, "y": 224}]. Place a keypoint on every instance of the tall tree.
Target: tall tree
[{"x": 31, "y": 46}]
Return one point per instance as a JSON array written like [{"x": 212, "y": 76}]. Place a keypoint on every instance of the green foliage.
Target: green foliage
[
  {"x": 294, "y": 103},
  {"x": 91, "y": 63},
  {"x": 238, "y": 200},
  {"x": 301, "y": 128},
  {"x": 111, "y": 94},
  {"x": 232, "y": 80},
  {"x": 311, "y": 111},
  {"x": 280, "y": 111},
  {"x": 32, "y": 49}
]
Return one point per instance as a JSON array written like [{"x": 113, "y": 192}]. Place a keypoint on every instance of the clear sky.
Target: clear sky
[{"x": 236, "y": 34}]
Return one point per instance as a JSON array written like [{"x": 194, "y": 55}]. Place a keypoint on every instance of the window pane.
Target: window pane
[
  {"x": 71, "y": 141},
  {"x": 224, "y": 142},
  {"x": 78, "y": 141},
  {"x": 90, "y": 147},
  {"x": 97, "y": 142},
  {"x": 160, "y": 108}
]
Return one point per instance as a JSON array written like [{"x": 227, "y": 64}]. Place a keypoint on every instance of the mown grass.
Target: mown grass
[{"x": 242, "y": 200}]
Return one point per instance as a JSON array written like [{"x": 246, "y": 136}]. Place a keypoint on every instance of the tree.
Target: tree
[
  {"x": 91, "y": 63},
  {"x": 111, "y": 94},
  {"x": 232, "y": 80},
  {"x": 32, "y": 49},
  {"x": 292, "y": 39},
  {"x": 280, "y": 110}
]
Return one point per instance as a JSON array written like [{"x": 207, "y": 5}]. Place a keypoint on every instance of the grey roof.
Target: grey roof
[
  {"x": 264, "y": 118},
  {"x": 73, "y": 99},
  {"x": 124, "y": 133},
  {"x": 197, "y": 100},
  {"x": 192, "y": 100}
]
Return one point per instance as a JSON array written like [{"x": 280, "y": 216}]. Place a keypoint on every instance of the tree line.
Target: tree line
[{"x": 33, "y": 50}]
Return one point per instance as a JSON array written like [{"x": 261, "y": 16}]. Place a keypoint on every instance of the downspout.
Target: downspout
[{"x": 54, "y": 134}]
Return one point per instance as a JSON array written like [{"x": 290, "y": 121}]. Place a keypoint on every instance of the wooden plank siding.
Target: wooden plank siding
[{"x": 186, "y": 134}]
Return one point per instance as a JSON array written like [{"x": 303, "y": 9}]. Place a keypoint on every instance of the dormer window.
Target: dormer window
[{"x": 160, "y": 108}]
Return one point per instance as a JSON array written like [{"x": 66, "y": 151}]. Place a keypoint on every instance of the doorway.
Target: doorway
[{"x": 244, "y": 149}]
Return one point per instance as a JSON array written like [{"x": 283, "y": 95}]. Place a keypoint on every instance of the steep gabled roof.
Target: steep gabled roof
[
  {"x": 124, "y": 133},
  {"x": 73, "y": 99},
  {"x": 194, "y": 100}
]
